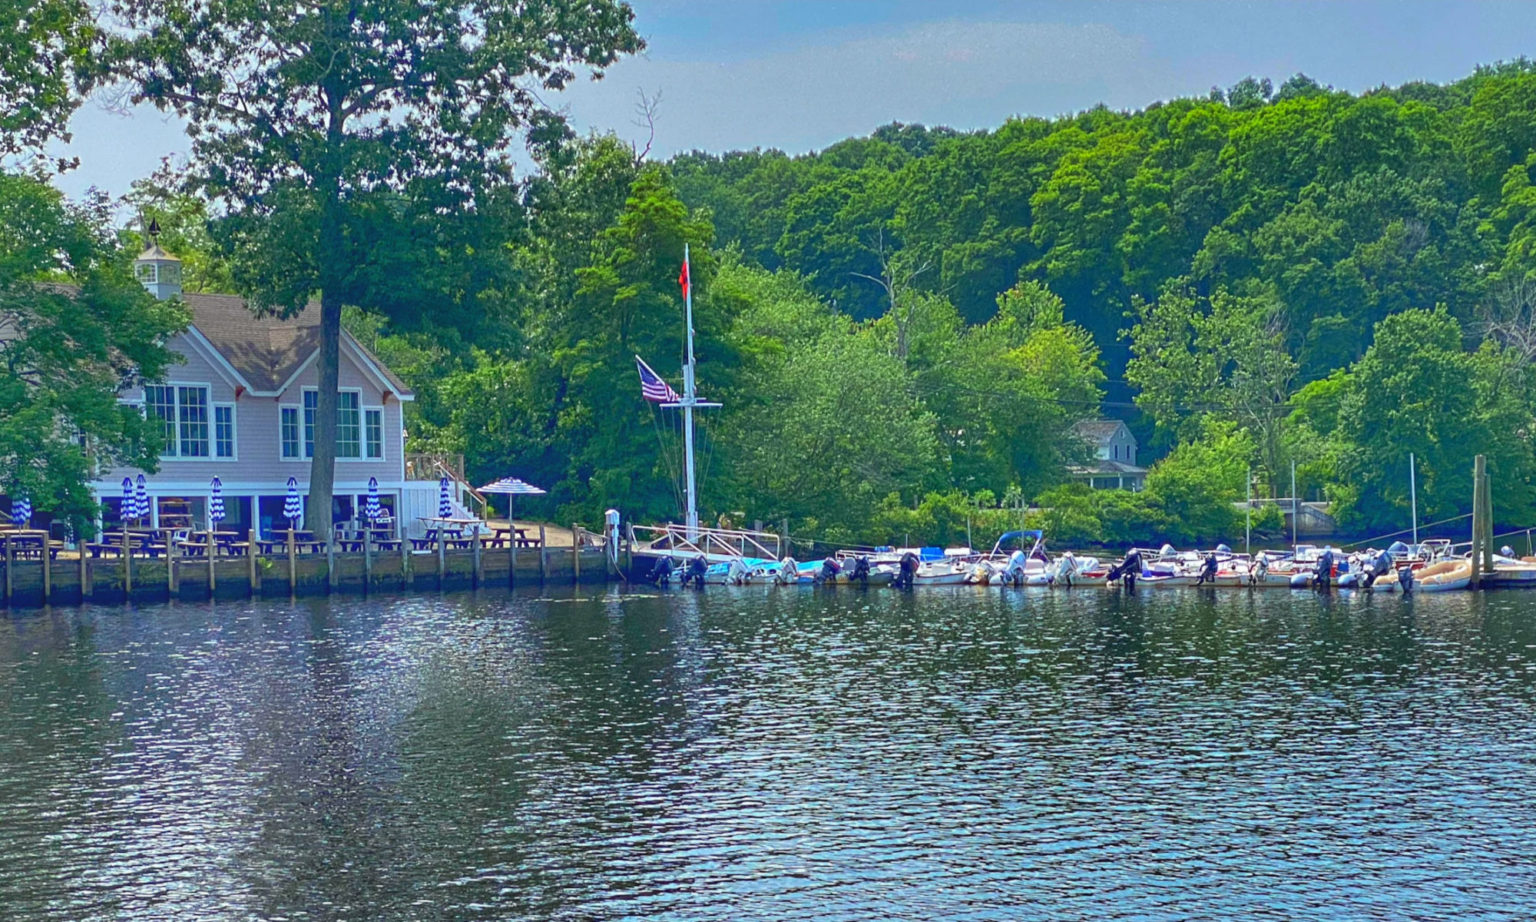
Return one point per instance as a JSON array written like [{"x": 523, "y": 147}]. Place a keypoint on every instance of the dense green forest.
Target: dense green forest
[{"x": 903, "y": 327}]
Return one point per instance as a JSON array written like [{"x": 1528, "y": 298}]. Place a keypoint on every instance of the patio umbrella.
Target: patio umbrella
[
  {"x": 216, "y": 502},
  {"x": 293, "y": 507},
  {"x": 444, "y": 504},
  {"x": 21, "y": 509},
  {"x": 130, "y": 506},
  {"x": 140, "y": 499},
  {"x": 511, "y": 486},
  {"x": 371, "y": 506}
]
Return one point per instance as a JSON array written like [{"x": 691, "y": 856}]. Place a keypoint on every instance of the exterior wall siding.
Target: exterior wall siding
[{"x": 258, "y": 465}]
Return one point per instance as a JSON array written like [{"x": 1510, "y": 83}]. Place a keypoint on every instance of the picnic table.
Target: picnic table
[
  {"x": 304, "y": 542},
  {"x": 501, "y": 534},
  {"x": 227, "y": 542},
  {"x": 26, "y": 545},
  {"x": 380, "y": 538}
]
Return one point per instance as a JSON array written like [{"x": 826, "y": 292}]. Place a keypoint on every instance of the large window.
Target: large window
[
  {"x": 183, "y": 414},
  {"x": 373, "y": 424},
  {"x": 349, "y": 426},
  {"x": 160, "y": 403},
  {"x": 290, "y": 418},
  {"x": 224, "y": 431},
  {"x": 311, "y": 402},
  {"x": 192, "y": 417}
]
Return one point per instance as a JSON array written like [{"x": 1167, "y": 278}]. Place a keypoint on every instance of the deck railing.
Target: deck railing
[{"x": 729, "y": 542}]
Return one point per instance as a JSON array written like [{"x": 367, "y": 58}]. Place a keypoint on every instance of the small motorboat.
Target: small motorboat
[{"x": 1444, "y": 576}]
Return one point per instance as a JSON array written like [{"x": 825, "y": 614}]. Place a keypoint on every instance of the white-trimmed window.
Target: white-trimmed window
[
  {"x": 373, "y": 432},
  {"x": 183, "y": 412},
  {"x": 224, "y": 430},
  {"x": 290, "y": 433},
  {"x": 349, "y": 425}
]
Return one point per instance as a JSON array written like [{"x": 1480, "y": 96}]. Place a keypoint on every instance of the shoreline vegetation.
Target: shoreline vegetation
[{"x": 902, "y": 328}]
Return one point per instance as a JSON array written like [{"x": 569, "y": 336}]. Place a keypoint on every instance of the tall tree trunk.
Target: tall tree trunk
[{"x": 322, "y": 469}]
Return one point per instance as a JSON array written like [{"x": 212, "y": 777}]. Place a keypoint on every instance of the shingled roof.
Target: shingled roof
[
  {"x": 267, "y": 351},
  {"x": 1096, "y": 431}
]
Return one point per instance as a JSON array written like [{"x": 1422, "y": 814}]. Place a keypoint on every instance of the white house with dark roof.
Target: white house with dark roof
[
  {"x": 241, "y": 406},
  {"x": 1114, "y": 456}
]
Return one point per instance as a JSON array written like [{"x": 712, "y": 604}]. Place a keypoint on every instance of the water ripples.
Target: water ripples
[{"x": 773, "y": 755}]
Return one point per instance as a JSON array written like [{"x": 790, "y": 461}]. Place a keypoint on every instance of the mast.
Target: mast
[
  {"x": 690, "y": 397},
  {"x": 1413, "y": 498},
  {"x": 689, "y": 402}
]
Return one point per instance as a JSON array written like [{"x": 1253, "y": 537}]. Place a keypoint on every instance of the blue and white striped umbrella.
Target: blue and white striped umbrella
[
  {"x": 293, "y": 507},
  {"x": 216, "y": 501},
  {"x": 129, "y": 505},
  {"x": 371, "y": 507},
  {"x": 140, "y": 499},
  {"x": 21, "y": 509},
  {"x": 444, "y": 504}
]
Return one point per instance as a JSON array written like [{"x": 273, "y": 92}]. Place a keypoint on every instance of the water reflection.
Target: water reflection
[{"x": 772, "y": 754}]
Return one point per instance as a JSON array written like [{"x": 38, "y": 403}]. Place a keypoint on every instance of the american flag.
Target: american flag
[{"x": 652, "y": 387}]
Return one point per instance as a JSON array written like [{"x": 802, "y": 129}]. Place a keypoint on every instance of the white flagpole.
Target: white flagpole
[
  {"x": 1413, "y": 498},
  {"x": 687, "y": 402}
]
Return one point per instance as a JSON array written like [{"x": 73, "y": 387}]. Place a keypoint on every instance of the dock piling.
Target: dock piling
[
  {"x": 575, "y": 553},
  {"x": 250, "y": 553},
  {"x": 47, "y": 570},
  {"x": 543, "y": 556}
]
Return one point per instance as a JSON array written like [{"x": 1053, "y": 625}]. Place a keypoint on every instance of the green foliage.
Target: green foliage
[
  {"x": 361, "y": 148},
  {"x": 46, "y": 62},
  {"x": 1196, "y": 486},
  {"x": 77, "y": 328}
]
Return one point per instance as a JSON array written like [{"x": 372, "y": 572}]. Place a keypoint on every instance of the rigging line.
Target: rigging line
[
  {"x": 1406, "y": 531},
  {"x": 661, "y": 449}
]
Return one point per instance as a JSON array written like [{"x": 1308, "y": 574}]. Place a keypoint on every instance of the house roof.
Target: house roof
[
  {"x": 1096, "y": 431},
  {"x": 1105, "y": 468},
  {"x": 267, "y": 351}
]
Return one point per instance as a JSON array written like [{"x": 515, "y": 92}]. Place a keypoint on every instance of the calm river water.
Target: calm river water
[{"x": 776, "y": 755}]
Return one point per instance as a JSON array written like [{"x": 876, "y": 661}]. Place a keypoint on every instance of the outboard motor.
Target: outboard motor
[
  {"x": 1223, "y": 549},
  {"x": 1207, "y": 570},
  {"x": 1018, "y": 568},
  {"x": 661, "y": 574},
  {"x": 1507, "y": 551},
  {"x": 696, "y": 570},
  {"x": 789, "y": 571},
  {"x": 1322, "y": 576},
  {"x": 1066, "y": 569},
  {"x": 1378, "y": 566},
  {"x": 829, "y": 570},
  {"x": 860, "y": 570},
  {"x": 736, "y": 572},
  {"x": 906, "y": 571},
  {"x": 1405, "y": 579},
  {"x": 1260, "y": 568},
  {"x": 1127, "y": 569}
]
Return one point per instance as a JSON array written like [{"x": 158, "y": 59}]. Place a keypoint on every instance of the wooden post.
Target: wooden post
[
  {"x": 543, "y": 555},
  {"x": 330, "y": 560},
  {"x": 511, "y": 552},
  {"x": 405, "y": 559},
  {"x": 1479, "y": 484},
  {"x": 440, "y": 559},
  {"x": 171, "y": 584},
  {"x": 783, "y": 548},
  {"x": 1487, "y": 522},
  {"x": 368, "y": 557},
  {"x": 575, "y": 554},
  {"x": 213, "y": 552},
  {"x": 85, "y": 571},
  {"x": 127, "y": 565},
  {"x": 474, "y": 542},
  {"x": 10, "y": 564},
  {"x": 250, "y": 554},
  {"x": 293, "y": 566},
  {"x": 47, "y": 570}
]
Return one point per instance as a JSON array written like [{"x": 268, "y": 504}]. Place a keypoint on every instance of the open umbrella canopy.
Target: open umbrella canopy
[
  {"x": 216, "y": 500},
  {"x": 512, "y": 487},
  {"x": 371, "y": 506},
  {"x": 293, "y": 507}
]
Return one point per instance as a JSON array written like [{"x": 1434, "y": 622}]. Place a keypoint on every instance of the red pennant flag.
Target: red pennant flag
[{"x": 682, "y": 278}]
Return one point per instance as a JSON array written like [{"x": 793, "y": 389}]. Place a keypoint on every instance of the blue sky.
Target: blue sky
[{"x": 800, "y": 75}]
